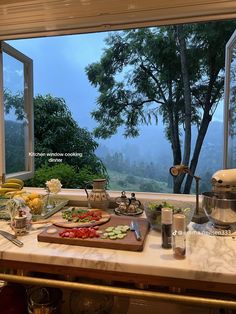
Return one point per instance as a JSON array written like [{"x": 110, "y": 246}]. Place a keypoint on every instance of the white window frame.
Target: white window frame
[
  {"x": 228, "y": 56},
  {"x": 28, "y": 99}
]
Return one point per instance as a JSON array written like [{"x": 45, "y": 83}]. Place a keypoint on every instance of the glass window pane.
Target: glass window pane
[
  {"x": 15, "y": 116},
  {"x": 232, "y": 113}
]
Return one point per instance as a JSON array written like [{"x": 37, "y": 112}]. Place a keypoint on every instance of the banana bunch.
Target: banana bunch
[{"x": 10, "y": 186}]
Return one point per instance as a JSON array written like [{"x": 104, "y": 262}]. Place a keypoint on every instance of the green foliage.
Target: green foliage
[
  {"x": 57, "y": 132},
  {"x": 67, "y": 174},
  {"x": 117, "y": 162},
  {"x": 142, "y": 184},
  {"x": 86, "y": 175},
  {"x": 131, "y": 179},
  {"x": 14, "y": 146},
  {"x": 150, "y": 187},
  {"x": 15, "y": 125},
  {"x": 14, "y": 102}
]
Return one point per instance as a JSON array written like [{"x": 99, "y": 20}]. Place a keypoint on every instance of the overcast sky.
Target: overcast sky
[{"x": 59, "y": 64}]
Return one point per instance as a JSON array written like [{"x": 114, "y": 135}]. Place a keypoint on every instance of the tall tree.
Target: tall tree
[
  {"x": 55, "y": 131},
  {"x": 175, "y": 72}
]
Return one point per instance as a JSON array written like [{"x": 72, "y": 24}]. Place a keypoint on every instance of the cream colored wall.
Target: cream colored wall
[{"x": 34, "y": 18}]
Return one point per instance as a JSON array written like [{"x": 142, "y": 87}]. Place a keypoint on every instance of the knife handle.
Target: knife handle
[
  {"x": 17, "y": 242},
  {"x": 138, "y": 235}
]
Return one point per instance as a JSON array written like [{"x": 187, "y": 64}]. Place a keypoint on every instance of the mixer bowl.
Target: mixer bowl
[{"x": 220, "y": 208}]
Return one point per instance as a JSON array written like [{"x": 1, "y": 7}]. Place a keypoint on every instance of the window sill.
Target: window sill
[{"x": 80, "y": 195}]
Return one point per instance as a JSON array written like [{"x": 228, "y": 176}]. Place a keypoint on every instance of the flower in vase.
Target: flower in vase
[{"x": 54, "y": 186}]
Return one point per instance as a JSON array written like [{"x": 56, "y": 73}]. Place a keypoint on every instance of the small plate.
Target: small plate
[{"x": 139, "y": 211}]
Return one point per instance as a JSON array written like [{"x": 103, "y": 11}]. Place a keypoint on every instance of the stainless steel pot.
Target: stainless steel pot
[
  {"x": 43, "y": 300},
  {"x": 220, "y": 208}
]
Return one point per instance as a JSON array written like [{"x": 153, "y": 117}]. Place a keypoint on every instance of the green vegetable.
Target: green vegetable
[
  {"x": 116, "y": 232},
  {"x": 158, "y": 206}
]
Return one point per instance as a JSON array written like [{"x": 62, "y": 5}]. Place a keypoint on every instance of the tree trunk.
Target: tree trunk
[
  {"x": 187, "y": 108},
  {"x": 187, "y": 95},
  {"x": 201, "y": 135},
  {"x": 175, "y": 142},
  {"x": 174, "y": 137},
  {"x": 177, "y": 183}
]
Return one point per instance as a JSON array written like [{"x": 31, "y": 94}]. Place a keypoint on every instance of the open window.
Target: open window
[
  {"x": 16, "y": 113},
  {"x": 230, "y": 104}
]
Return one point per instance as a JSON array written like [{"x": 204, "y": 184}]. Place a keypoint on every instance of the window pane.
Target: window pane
[
  {"x": 231, "y": 163},
  {"x": 15, "y": 116}
]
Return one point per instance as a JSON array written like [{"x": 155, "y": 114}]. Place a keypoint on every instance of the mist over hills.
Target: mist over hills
[{"x": 152, "y": 147}]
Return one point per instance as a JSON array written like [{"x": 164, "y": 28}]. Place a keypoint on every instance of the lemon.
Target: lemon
[{"x": 33, "y": 195}]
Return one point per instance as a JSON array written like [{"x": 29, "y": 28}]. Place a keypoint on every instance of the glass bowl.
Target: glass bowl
[{"x": 153, "y": 211}]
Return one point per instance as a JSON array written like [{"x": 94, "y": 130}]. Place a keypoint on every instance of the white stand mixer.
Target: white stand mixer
[{"x": 220, "y": 204}]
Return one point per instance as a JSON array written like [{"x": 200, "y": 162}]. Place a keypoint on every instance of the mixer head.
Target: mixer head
[{"x": 224, "y": 181}]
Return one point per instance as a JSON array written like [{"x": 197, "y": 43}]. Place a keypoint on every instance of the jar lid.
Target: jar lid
[
  {"x": 179, "y": 222},
  {"x": 166, "y": 215}
]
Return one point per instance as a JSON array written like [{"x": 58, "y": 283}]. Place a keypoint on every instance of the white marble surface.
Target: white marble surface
[{"x": 208, "y": 258}]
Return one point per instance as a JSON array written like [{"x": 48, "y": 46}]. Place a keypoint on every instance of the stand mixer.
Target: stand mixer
[{"x": 220, "y": 204}]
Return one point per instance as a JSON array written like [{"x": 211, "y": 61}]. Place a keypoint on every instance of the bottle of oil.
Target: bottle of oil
[
  {"x": 179, "y": 236},
  {"x": 166, "y": 227}
]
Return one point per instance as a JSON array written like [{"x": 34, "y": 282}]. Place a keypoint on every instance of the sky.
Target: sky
[{"x": 59, "y": 64}]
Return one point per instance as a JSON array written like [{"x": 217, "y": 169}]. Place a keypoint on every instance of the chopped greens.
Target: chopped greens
[{"x": 81, "y": 215}]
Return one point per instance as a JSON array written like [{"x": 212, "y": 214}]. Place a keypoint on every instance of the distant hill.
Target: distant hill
[{"x": 152, "y": 146}]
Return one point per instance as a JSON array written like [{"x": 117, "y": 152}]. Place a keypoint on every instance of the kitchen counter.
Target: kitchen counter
[{"x": 208, "y": 258}]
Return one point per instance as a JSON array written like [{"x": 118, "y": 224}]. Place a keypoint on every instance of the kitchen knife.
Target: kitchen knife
[
  {"x": 11, "y": 238},
  {"x": 135, "y": 227}
]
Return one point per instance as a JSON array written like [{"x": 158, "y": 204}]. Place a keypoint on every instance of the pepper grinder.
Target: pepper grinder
[
  {"x": 166, "y": 227},
  {"x": 134, "y": 204}
]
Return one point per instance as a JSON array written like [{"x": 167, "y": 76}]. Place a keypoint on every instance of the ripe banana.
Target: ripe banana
[
  {"x": 6, "y": 190},
  {"x": 11, "y": 185},
  {"x": 14, "y": 180}
]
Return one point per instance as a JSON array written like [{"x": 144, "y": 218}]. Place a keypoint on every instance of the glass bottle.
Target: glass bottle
[
  {"x": 179, "y": 236},
  {"x": 166, "y": 227}
]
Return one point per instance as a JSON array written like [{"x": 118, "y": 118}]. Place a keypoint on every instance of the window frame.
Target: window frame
[
  {"x": 228, "y": 55},
  {"x": 28, "y": 103}
]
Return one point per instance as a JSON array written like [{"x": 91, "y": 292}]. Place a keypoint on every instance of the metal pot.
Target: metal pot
[
  {"x": 220, "y": 208},
  {"x": 43, "y": 300}
]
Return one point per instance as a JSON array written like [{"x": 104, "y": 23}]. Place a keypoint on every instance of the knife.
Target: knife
[
  {"x": 11, "y": 238},
  {"x": 135, "y": 227}
]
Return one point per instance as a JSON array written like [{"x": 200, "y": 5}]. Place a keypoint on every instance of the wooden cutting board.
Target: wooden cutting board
[
  {"x": 57, "y": 220},
  {"x": 129, "y": 243}
]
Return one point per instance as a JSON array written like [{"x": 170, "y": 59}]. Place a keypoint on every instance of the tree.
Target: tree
[
  {"x": 175, "y": 72},
  {"x": 56, "y": 132},
  {"x": 15, "y": 124}
]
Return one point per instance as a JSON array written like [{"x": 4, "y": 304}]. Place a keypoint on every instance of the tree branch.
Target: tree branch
[{"x": 156, "y": 81}]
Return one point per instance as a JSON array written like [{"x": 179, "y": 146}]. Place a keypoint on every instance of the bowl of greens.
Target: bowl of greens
[{"x": 153, "y": 211}]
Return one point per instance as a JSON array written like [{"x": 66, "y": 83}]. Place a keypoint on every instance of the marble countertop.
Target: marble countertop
[{"x": 208, "y": 258}]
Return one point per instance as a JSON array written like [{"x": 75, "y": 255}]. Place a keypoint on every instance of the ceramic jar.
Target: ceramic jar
[{"x": 98, "y": 197}]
